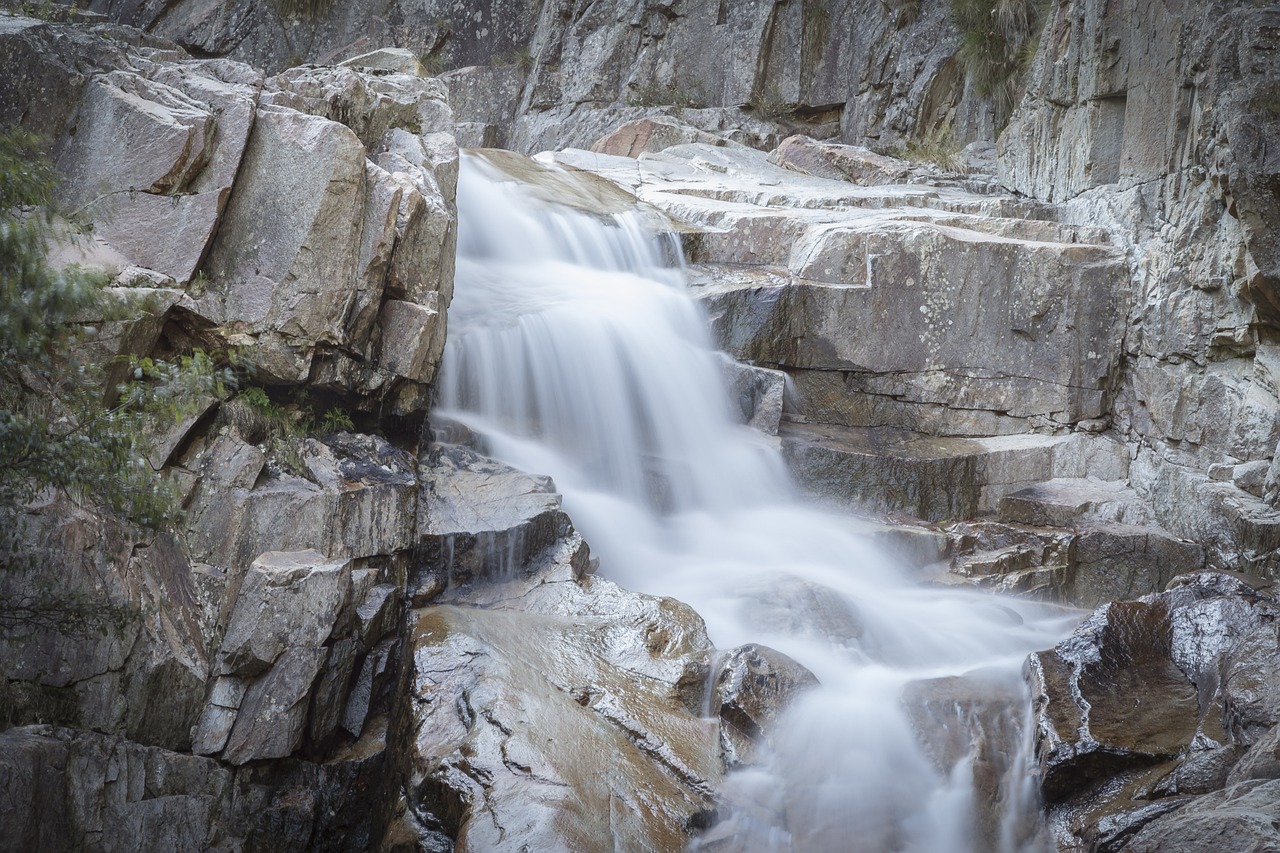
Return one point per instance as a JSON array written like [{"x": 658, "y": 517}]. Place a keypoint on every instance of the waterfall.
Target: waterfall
[{"x": 576, "y": 351}]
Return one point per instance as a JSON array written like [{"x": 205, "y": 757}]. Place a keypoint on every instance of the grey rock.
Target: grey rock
[
  {"x": 287, "y": 599},
  {"x": 930, "y": 477},
  {"x": 481, "y": 519},
  {"x": 1138, "y": 705},
  {"x": 1251, "y": 477},
  {"x": 1262, "y": 761},
  {"x": 1241, "y": 817},
  {"x": 492, "y": 679},
  {"x": 840, "y": 162},
  {"x": 294, "y": 216},
  {"x": 377, "y": 613},
  {"x": 365, "y": 508},
  {"x": 651, "y": 134},
  {"x": 273, "y": 714},
  {"x": 1065, "y": 502},
  {"x": 332, "y": 689},
  {"x": 412, "y": 338},
  {"x": 752, "y": 690},
  {"x": 375, "y": 669},
  {"x": 756, "y": 395},
  {"x": 390, "y": 60}
]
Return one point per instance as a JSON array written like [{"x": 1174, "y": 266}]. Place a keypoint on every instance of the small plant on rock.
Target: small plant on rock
[{"x": 999, "y": 40}]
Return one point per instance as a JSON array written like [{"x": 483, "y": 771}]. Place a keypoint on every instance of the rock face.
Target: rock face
[
  {"x": 326, "y": 246},
  {"x": 540, "y": 76},
  {"x": 1148, "y": 118},
  {"x": 553, "y": 710},
  {"x": 238, "y": 694},
  {"x": 1156, "y": 719}
]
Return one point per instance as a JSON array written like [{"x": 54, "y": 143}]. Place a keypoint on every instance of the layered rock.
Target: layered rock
[
  {"x": 1147, "y": 118},
  {"x": 229, "y": 683},
  {"x": 308, "y": 215}
]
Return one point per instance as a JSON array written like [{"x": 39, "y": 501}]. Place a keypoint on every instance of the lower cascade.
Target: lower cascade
[{"x": 576, "y": 351}]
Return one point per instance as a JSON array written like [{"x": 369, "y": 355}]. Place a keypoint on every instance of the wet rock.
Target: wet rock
[
  {"x": 973, "y": 722},
  {"x": 788, "y": 605},
  {"x": 1251, "y": 683},
  {"x": 928, "y": 477},
  {"x": 1148, "y": 684},
  {"x": 1262, "y": 761},
  {"x": 480, "y": 519},
  {"x": 752, "y": 690},
  {"x": 521, "y": 739},
  {"x": 1202, "y": 772},
  {"x": 1241, "y": 817},
  {"x": 757, "y": 395}
]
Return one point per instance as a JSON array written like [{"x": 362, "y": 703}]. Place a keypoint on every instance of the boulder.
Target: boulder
[
  {"x": 750, "y": 693},
  {"x": 1141, "y": 716},
  {"x": 650, "y": 134},
  {"x": 840, "y": 162}
]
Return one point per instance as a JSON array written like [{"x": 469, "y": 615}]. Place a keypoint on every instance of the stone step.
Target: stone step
[
  {"x": 1085, "y": 565},
  {"x": 933, "y": 478},
  {"x": 1069, "y": 501}
]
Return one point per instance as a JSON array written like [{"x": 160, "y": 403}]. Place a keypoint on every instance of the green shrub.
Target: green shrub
[
  {"x": 307, "y": 10},
  {"x": 998, "y": 41},
  {"x": 63, "y": 428}
]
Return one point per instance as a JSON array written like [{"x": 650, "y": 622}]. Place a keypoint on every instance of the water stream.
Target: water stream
[{"x": 576, "y": 350}]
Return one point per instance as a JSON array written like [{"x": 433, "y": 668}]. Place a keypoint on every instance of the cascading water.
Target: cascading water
[{"x": 576, "y": 351}]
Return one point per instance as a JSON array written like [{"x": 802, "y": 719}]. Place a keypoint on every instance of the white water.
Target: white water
[{"x": 576, "y": 351}]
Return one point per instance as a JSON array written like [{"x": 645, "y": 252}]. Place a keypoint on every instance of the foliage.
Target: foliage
[
  {"x": 999, "y": 40},
  {"x": 45, "y": 10},
  {"x": 520, "y": 57},
  {"x": 280, "y": 428},
  {"x": 307, "y": 10},
  {"x": 62, "y": 429},
  {"x": 336, "y": 420},
  {"x": 772, "y": 106},
  {"x": 655, "y": 94},
  {"x": 943, "y": 153},
  {"x": 432, "y": 63}
]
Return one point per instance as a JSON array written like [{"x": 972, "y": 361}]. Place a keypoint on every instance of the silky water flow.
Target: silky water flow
[{"x": 576, "y": 350}]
